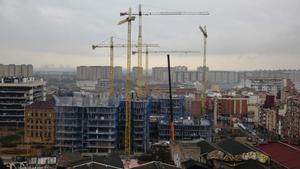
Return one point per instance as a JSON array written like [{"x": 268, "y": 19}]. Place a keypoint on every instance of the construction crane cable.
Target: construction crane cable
[{"x": 159, "y": 8}]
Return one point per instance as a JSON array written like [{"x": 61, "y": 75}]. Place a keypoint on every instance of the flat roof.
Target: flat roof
[{"x": 27, "y": 84}]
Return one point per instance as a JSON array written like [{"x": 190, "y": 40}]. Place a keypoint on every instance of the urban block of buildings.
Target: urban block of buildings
[{"x": 13, "y": 70}]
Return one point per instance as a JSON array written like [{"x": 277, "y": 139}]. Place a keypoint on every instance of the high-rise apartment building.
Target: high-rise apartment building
[
  {"x": 15, "y": 94},
  {"x": 12, "y": 70},
  {"x": 180, "y": 74},
  {"x": 97, "y": 72}
]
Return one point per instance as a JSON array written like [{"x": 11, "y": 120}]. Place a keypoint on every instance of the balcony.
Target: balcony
[
  {"x": 68, "y": 132},
  {"x": 102, "y": 125},
  {"x": 101, "y": 146},
  {"x": 102, "y": 139},
  {"x": 101, "y": 133},
  {"x": 2, "y": 109},
  {"x": 13, "y": 97},
  {"x": 11, "y": 104},
  {"x": 67, "y": 138},
  {"x": 14, "y": 91},
  {"x": 11, "y": 115}
]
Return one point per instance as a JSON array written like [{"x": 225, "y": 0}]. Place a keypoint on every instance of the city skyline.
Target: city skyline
[{"x": 242, "y": 35}]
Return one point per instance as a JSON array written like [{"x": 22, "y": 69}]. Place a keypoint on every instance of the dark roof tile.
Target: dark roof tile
[
  {"x": 156, "y": 165},
  {"x": 234, "y": 147}
]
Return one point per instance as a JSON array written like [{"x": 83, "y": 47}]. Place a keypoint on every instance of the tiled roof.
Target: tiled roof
[
  {"x": 205, "y": 147},
  {"x": 195, "y": 164},
  {"x": 234, "y": 147},
  {"x": 282, "y": 153},
  {"x": 112, "y": 159},
  {"x": 94, "y": 166},
  {"x": 156, "y": 165},
  {"x": 248, "y": 164}
]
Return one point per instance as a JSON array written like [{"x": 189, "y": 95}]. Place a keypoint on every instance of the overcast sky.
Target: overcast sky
[{"x": 242, "y": 34}]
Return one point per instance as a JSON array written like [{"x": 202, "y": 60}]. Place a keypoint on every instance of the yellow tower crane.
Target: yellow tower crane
[
  {"x": 112, "y": 46},
  {"x": 127, "y": 85},
  {"x": 140, "y": 13}
]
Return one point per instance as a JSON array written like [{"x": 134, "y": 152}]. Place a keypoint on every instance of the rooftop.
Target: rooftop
[
  {"x": 234, "y": 147},
  {"x": 112, "y": 160},
  {"x": 156, "y": 165},
  {"x": 20, "y": 82},
  {"x": 41, "y": 104},
  {"x": 282, "y": 153},
  {"x": 206, "y": 147}
]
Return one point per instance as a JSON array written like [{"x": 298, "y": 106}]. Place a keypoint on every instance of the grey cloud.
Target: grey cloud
[{"x": 236, "y": 27}]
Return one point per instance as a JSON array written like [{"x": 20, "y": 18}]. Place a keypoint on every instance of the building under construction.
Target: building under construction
[
  {"x": 83, "y": 125},
  {"x": 140, "y": 125},
  {"x": 160, "y": 106},
  {"x": 15, "y": 94},
  {"x": 186, "y": 129}
]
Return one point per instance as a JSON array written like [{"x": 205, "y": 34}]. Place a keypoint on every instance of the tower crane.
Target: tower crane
[
  {"x": 140, "y": 13},
  {"x": 140, "y": 68},
  {"x": 157, "y": 52},
  {"x": 204, "y": 32},
  {"x": 128, "y": 19},
  {"x": 112, "y": 46}
]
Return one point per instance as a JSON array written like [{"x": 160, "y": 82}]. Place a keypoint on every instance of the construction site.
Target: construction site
[
  {"x": 170, "y": 117},
  {"x": 137, "y": 100}
]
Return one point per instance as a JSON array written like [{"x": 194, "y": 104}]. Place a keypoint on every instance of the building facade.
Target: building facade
[
  {"x": 160, "y": 106},
  {"x": 15, "y": 94},
  {"x": 12, "y": 70},
  {"x": 186, "y": 129},
  {"x": 228, "y": 108},
  {"x": 291, "y": 121},
  {"x": 83, "y": 124},
  {"x": 268, "y": 119},
  {"x": 97, "y": 72},
  {"x": 140, "y": 125},
  {"x": 232, "y": 106},
  {"x": 40, "y": 123},
  {"x": 181, "y": 74}
]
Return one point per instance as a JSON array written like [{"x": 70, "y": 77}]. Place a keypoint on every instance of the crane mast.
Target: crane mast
[
  {"x": 127, "y": 85},
  {"x": 147, "y": 72},
  {"x": 140, "y": 68},
  {"x": 111, "y": 70},
  {"x": 203, "y": 106},
  {"x": 127, "y": 95}
]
